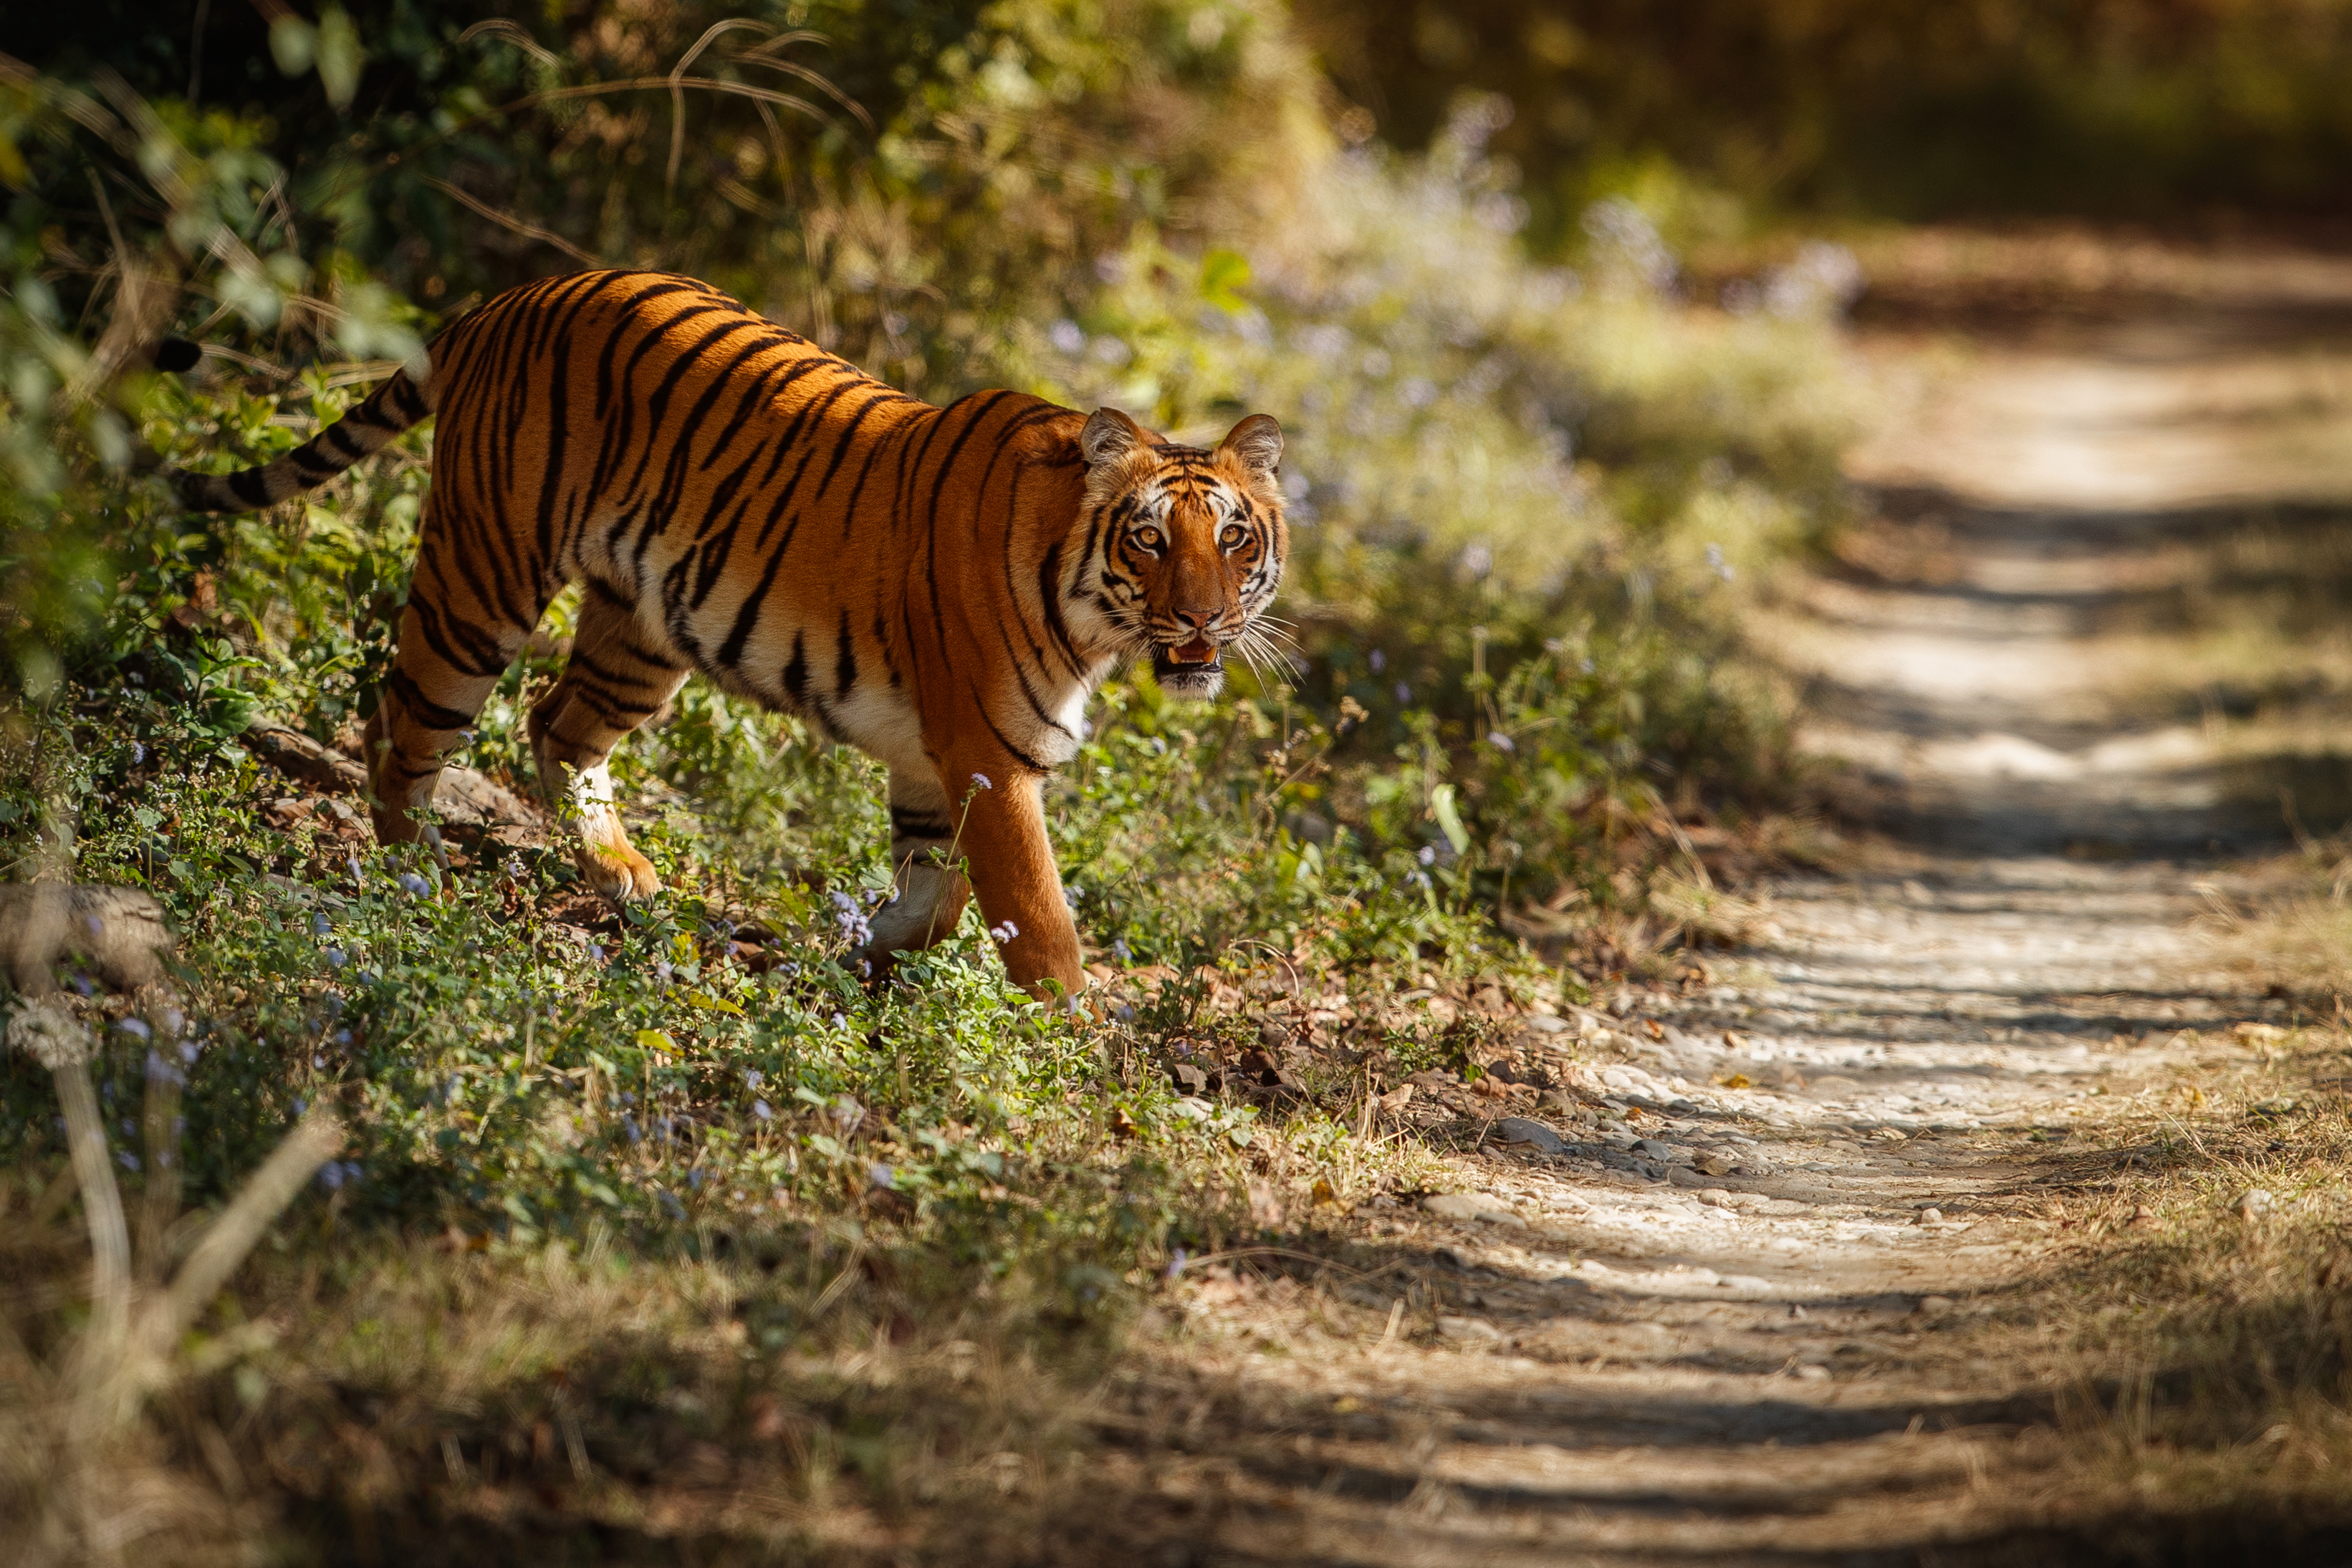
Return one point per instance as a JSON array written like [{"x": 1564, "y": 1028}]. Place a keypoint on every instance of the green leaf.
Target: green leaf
[
  {"x": 293, "y": 44},
  {"x": 655, "y": 1039},
  {"x": 340, "y": 56},
  {"x": 1223, "y": 275},
  {"x": 1449, "y": 818}
]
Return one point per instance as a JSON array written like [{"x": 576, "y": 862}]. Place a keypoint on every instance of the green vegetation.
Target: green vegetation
[
  {"x": 1721, "y": 113},
  {"x": 619, "y": 1184}
]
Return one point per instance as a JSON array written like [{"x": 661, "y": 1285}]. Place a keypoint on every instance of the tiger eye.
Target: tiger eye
[
  {"x": 1235, "y": 535},
  {"x": 1148, "y": 538}
]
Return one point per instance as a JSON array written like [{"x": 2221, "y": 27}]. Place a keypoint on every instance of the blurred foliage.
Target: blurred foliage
[
  {"x": 1933, "y": 108},
  {"x": 901, "y": 179}
]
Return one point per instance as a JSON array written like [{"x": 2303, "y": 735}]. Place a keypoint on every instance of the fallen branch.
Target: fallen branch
[{"x": 465, "y": 797}]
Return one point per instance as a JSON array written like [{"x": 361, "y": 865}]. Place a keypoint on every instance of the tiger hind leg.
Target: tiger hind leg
[
  {"x": 931, "y": 892},
  {"x": 441, "y": 673},
  {"x": 614, "y": 682}
]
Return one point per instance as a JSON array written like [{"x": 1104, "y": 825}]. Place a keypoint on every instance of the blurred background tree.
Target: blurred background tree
[{"x": 1934, "y": 109}]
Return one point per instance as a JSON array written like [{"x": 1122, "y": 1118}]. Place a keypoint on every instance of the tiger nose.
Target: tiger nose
[{"x": 1198, "y": 619}]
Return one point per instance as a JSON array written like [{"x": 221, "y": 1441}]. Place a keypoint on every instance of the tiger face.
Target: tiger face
[{"x": 1187, "y": 545}]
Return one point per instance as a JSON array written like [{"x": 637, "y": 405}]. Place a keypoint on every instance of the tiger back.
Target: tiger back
[{"x": 942, "y": 588}]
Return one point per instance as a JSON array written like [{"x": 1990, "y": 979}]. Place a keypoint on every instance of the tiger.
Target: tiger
[{"x": 942, "y": 588}]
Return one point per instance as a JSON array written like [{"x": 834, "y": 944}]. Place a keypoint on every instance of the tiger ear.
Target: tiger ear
[
  {"x": 1256, "y": 442},
  {"x": 1108, "y": 436}
]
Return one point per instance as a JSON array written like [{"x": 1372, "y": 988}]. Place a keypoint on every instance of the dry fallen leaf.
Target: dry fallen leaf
[{"x": 1736, "y": 1080}]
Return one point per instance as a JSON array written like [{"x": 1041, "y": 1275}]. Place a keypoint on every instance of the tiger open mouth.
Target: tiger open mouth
[{"x": 1194, "y": 667}]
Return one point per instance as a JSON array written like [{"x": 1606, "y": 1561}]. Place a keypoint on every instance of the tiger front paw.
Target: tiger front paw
[{"x": 620, "y": 874}]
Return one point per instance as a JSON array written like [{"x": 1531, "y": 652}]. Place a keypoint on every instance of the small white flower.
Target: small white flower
[{"x": 980, "y": 781}]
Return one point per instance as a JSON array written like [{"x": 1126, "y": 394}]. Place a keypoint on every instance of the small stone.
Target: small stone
[
  {"x": 1545, "y": 1023},
  {"x": 1654, "y": 1149},
  {"x": 1471, "y": 1206},
  {"x": 1928, "y": 1217},
  {"x": 1935, "y": 1306},
  {"x": 46, "y": 1029},
  {"x": 1714, "y": 1164},
  {"x": 1753, "y": 1170},
  {"x": 2253, "y": 1204},
  {"x": 1470, "y": 1331},
  {"x": 1798, "y": 1313},
  {"x": 1811, "y": 1374},
  {"x": 1715, "y": 1196},
  {"x": 1528, "y": 1131}
]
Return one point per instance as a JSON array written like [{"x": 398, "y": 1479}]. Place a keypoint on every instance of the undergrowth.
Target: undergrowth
[{"x": 664, "y": 1224}]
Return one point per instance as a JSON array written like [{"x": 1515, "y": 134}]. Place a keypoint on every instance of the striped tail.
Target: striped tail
[{"x": 391, "y": 408}]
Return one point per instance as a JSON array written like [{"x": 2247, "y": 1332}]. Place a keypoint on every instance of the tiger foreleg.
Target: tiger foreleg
[{"x": 1002, "y": 835}]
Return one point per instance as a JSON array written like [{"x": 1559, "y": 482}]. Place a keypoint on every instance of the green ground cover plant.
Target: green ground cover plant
[{"x": 617, "y": 1187}]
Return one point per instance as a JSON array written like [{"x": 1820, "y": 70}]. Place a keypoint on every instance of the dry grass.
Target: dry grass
[{"x": 2203, "y": 1311}]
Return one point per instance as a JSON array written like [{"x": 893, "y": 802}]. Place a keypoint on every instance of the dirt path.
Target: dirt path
[{"x": 1739, "y": 1320}]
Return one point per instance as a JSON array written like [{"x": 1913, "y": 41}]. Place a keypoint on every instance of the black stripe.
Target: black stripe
[
  {"x": 615, "y": 681},
  {"x": 730, "y": 651},
  {"x": 845, "y": 662},
  {"x": 1001, "y": 739},
  {"x": 424, "y": 709},
  {"x": 796, "y": 674}
]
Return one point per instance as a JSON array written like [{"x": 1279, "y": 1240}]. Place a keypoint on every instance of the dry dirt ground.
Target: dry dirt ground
[{"x": 1775, "y": 1298}]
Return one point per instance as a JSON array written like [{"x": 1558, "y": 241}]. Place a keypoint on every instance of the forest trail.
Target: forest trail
[{"x": 1781, "y": 1311}]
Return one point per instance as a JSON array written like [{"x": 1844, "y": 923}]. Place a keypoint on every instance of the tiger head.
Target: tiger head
[{"x": 1188, "y": 545}]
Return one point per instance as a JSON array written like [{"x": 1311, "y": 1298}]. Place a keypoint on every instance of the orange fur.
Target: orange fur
[{"x": 942, "y": 588}]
